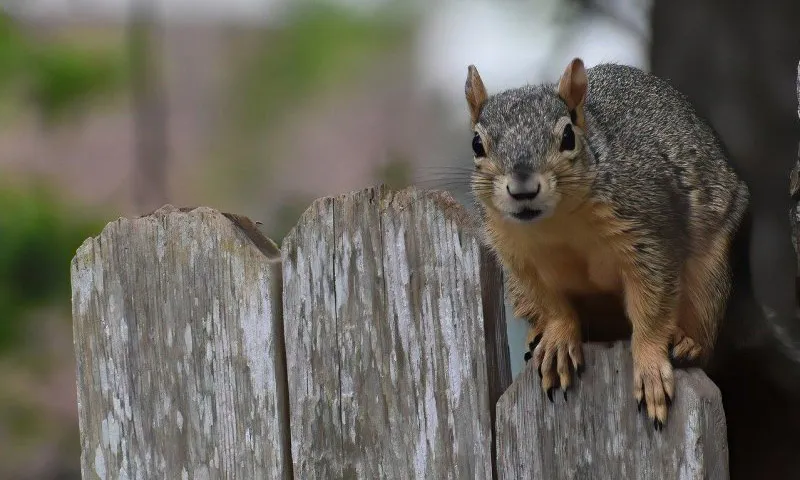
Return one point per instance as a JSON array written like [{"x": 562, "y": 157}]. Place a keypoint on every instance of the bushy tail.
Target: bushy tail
[{"x": 765, "y": 333}]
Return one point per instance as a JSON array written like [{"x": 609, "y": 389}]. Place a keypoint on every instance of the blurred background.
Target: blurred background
[{"x": 114, "y": 107}]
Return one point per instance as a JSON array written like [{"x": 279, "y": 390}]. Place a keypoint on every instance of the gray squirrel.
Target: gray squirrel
[{"x": 603, "y": 191}]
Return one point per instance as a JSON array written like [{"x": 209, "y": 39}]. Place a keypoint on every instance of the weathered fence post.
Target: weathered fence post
[
  {"x": 598, "y": 433},
  {"x": 385, "y": 339},
  {"x": 178, "y": 343}
]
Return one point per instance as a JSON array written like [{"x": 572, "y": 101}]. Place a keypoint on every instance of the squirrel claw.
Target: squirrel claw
[
  {"x": 557, "y": 355},
  {"x": 532, "y": 345},
  {"x": 653, "y": 384}
]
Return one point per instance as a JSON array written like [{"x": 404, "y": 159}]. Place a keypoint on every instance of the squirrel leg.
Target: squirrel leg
[
  {"x": 651, "y": 302},
  {"x": 706, "y": 284},
  {"x": 554, "y": 338}
]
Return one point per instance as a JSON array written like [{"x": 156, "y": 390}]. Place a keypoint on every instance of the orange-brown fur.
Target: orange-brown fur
[
  {"x": 575, "y": 254},
  {"x": 574, "y": 257},
  {"x": 579, "y": 258},
  {"x": 569, "y": 253},
  {"x": 573, "y": 269}
]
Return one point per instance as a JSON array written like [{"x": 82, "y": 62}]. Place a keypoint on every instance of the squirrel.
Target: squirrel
[{"x": 606, "y": 190}]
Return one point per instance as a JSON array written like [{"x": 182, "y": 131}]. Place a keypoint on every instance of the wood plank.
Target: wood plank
[
  {"x": 177, "y": 341},
  {"x": 385, "y": 339},
  {"x": 312, "y": 349},
  {"x": 498, "y": 361},
  {"x": 598, "y": 433}
]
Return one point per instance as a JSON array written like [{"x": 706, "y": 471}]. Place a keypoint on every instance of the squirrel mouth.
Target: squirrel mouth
[{"x": 527, "y": 214}]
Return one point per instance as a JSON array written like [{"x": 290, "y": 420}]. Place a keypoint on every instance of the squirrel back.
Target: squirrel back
[{"x": 646, "y": 136}]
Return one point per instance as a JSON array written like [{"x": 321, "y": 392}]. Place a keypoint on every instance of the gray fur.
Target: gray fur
[{"x": 649, "y": 153}]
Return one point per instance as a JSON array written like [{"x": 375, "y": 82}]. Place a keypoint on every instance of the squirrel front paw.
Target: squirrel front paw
[
  {"x": 653, "y": 383},
  {"x": 555, "y": 348}
]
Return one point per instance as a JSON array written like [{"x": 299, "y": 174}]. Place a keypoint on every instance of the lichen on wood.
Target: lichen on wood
[
  {"x": 597, "y": 432},
  {"x": 385, "y": 339},
  {"x": 179, "y": 357}
]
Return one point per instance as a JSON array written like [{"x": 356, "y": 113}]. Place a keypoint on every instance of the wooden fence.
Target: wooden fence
[{"x": 372, "y": 344}]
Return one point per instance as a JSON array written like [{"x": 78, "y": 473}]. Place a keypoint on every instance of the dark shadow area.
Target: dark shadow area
[{"x": 737, "y": 62}]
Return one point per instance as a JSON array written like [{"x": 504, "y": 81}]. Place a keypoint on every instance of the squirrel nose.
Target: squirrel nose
[{"x": 523, "y": 186}]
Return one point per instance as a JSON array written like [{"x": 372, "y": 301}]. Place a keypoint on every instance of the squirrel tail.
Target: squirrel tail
[{"x": 753, "y": 325}]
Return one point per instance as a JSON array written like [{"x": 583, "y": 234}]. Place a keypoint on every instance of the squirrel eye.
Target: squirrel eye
[
  {"x": 477, "y": 146},
  {"x": 567, "y": 139}
]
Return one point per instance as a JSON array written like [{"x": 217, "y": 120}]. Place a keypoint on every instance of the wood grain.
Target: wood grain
[
  {"x": 177, "y": 339},
  {"x": 385, "y": 340},
  {"x": 597, "y": 433}
]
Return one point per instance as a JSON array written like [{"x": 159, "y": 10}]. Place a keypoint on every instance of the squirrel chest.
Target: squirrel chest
[{"x": 568, "y": 253}]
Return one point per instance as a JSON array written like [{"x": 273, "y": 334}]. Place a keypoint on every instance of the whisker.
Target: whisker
[
  {"x": 451, "y": 166},
  {"x": 444, "y": 178},
  {"x": 450, "y": 180},
  {"x": 465, "y": 171},
  {"x": 446, "y": 168},
  {"x": 463, "y": 181}
]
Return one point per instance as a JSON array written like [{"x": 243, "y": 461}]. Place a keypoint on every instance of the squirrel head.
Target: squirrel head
[{"x": 529, "y": 145}]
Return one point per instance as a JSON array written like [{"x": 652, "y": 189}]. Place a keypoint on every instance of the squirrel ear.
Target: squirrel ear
[
  {"x": 572, "y": 88},
  {"x": 475, "y": 92}
]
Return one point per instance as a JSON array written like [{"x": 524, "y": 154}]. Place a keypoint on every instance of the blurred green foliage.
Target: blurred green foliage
[
  {"x": 63, "y": 78},
  {"x": 396, "y": 172},
  {"x": 38, "y": 234},
  {"x": 319, "y": 47},
  {"x": 38, "y": 238},
  {"x": 57, "y": 77},
  {"x": 320, "y": 44},
  {"x": 12, "y": 51}
]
